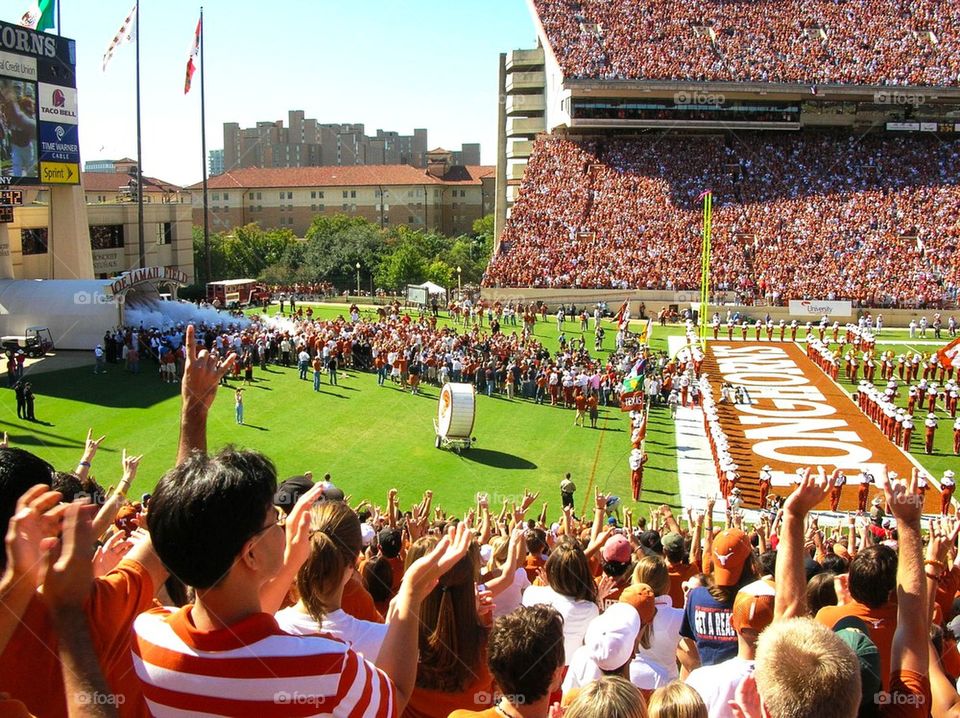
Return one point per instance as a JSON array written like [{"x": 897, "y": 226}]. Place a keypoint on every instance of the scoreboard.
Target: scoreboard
[{"x": 39, "y": 136}]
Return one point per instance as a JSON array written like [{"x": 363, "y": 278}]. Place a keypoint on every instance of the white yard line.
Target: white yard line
[{"x": 696, "y": 473}]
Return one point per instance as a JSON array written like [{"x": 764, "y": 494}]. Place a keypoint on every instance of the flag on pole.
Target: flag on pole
[
  {"x": 949, "y": 356},
  {"x": 40, "y": 15},
  {"x": 632, "y": 383},
  {"x": 623, "y": 314},
  {"x": 193, "y": 55},
  {"x": 124, "y": 35}
]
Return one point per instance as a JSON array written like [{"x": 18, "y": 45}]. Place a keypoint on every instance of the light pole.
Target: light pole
[
  {"x": 459, "y": 286},
  {"x": 358, "y": 279}
]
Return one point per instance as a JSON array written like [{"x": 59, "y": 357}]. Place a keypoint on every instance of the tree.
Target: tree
[
  {"x": 245, "y": 252},
  {"x": 335, "y": 244},
  {"x": 484, "y": 238},
  {"x": 404, "y": 266},
  {"x": 439, "y": 272}
]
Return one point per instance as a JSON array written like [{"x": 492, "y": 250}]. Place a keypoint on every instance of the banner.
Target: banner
[
  {"x": 949, "y": 356},
  {"x": 817, "y": 308},
  {"x": 632, "y": 401}
]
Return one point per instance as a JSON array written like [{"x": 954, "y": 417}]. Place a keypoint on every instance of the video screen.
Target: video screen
[{"x": 19, "y": 156}]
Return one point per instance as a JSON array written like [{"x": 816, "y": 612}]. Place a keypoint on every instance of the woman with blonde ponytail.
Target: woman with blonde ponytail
[
  {"x": 452, "y": 673},
  {"x": 335, "y": 544}
]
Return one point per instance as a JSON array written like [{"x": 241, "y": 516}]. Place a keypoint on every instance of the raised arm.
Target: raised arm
[
  {"x": 515, "y": 552},
  {"x": 706, "y": 561},
  {"x": 791, "y": 580},
  {"x": 392, "y": 508},
  {"x": 669, "y": 521},
  {"x": 66, "y": 589},
  {"x": 32, "y": 530},
  {"x": 90, "y": 447},
  {"x": 483, "y": 506},
  {"x": 946, "y": 702},
  {"x": 695, "y": 548},
  {"x": 599, "y": 511},
  {"x": 909, "y": 651},
  {"x": 110, "y": 507},
  {"x": 399, "y": 650},
  {"x": 201, "y": 376}
]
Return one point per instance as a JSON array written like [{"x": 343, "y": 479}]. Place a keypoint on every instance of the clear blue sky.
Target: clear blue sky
[{"x": 388, "y": 64}]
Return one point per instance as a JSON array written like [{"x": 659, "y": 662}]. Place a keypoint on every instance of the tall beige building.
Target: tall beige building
[{"x": 305, "y": 142}]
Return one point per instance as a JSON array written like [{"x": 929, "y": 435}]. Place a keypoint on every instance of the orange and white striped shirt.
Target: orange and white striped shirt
[{"x": 252, "y": 668}]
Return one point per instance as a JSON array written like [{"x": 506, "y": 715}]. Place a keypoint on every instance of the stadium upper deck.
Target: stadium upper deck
[{"x": 853, "y": 42}]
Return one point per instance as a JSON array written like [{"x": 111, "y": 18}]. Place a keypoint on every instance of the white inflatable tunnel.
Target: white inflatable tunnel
[{"x": 77, "y": 311}]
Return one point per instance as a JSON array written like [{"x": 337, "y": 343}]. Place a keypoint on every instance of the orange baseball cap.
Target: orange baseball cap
[
  {"x": 753, "y": 606},
  {"x": 641, "y": 597},
  {"x": 731, "y": 549}
]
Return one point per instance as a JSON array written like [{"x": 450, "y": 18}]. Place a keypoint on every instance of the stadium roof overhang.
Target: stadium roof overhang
[{"x": 580, "y": 88}]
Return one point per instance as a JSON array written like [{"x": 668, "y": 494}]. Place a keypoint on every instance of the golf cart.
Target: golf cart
[{"x": 35, "y": 342}]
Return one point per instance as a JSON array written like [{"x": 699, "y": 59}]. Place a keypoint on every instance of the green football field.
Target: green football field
[{"x": 368, "y": 438}]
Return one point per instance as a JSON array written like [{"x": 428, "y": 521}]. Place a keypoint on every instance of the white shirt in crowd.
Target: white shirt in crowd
[
  {"x": 576, "y": 615},
  {"x": 510, "y": 598},
  {"x": 666, "y": 637},
  {"x": 718, "y": 683},
  {"x": 645, "y": 675},
  {"x": 364, "y": 637}
]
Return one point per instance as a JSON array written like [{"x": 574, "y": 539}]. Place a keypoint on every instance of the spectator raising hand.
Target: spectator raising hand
[
  {"x": 202, "y": 373},
  {"x": 791, "y": 596},
  {"x": 909, "y": 663},
  {"x": 90, "y": 447}
]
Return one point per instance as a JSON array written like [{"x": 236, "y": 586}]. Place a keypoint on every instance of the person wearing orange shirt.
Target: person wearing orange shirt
[
  {"x": 947, "y": 487},
  {"x": 390, "y": 541},
  {"x": 863, "y": 492},
  {"x": 678, "y": 568},
  {"x": 837, "y": 490},
  {"x": 872, "y": 583},
  {"x": 536, "y": 548},
  {"x": 580, "y": 402},
  {"x": 764, "y": 480},
  {"x": 592, "y": 410},
  {"x": 115, "y": 600},
  {"x": 930, "y": 429}
]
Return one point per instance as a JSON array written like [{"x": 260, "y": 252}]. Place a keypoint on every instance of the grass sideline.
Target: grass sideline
[{"x": 368, "y": 438}]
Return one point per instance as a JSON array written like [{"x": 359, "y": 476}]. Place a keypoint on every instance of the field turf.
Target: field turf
[{"x": 368, "y": 438}]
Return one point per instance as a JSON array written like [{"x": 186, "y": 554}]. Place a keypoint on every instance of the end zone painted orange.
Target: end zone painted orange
[{"x": 797, "y": 417}]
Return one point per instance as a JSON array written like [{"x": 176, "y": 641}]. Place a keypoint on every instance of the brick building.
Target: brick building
[{"x": 442, "y": 197}]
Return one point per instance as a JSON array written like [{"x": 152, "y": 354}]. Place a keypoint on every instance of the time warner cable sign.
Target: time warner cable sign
[{"x": 39, "y": 137}]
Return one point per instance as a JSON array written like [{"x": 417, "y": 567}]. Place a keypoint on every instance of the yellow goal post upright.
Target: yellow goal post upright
[{"x": 707, "y": 198}]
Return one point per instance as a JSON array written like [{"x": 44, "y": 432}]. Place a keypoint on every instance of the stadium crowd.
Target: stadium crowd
[
  {"x": 822, "y": 216},
  {"x": 859, "y": 42},
  {"x": 226, "y": 592}
]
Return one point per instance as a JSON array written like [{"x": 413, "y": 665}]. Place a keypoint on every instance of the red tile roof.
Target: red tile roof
[
  {"x": 349, "y": 176},
  {"x": 112, "y": 181}
]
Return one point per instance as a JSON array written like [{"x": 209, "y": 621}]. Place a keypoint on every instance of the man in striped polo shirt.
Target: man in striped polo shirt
[{"x": 214, "y": 526}]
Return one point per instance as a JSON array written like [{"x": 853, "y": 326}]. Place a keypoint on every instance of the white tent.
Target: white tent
[
  {"x": 432, "y": 288},
  {"x": 77, "y": 311}
]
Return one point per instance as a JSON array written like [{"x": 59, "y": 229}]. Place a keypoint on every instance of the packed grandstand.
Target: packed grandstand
[
  {"x": 861, "y": 42},
  {"x": 848, "y": 191}
]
